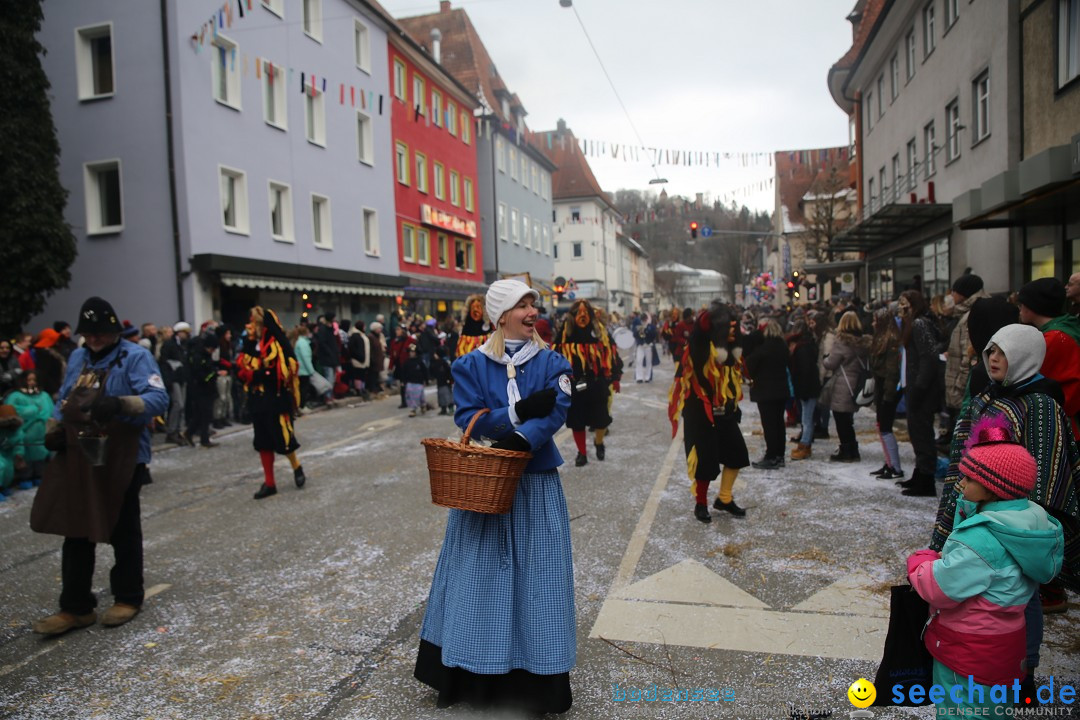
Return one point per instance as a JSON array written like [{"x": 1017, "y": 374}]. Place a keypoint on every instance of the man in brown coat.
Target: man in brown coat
[{"x": 958, "y": 358}]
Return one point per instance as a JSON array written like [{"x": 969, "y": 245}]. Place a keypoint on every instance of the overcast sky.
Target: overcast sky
[{"x": 698, "y": 75}]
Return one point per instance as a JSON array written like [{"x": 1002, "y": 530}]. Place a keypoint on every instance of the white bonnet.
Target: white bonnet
[{"x": 504, "y": 295}]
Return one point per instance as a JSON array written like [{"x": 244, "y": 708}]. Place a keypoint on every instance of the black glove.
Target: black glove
[
  {"x": 56, "y": 439},
  {"x": 104, "y": 409},
  {"x": 538, "y": 405},
  {"x": 513, "y": 441}
]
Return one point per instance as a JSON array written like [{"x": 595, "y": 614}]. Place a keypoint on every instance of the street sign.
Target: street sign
[{"x": 706, "y": 231}]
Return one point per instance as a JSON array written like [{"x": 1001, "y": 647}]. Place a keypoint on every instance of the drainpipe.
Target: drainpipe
[
  {"x": 173, "y": 210},
  {"x": 494, "y": 204}
]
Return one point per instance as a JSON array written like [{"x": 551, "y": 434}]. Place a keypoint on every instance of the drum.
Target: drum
[{"x": 624, "y": 338}]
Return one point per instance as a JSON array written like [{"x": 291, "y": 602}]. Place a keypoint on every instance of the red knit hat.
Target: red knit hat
[{"x": 995, "y": 461}]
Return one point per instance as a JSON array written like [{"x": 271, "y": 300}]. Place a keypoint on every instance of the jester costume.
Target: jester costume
[
  {"x": 706, "y": 391},
  {"x": 585, "y": 342},
  {"x": 476, "y": 329},
  {"x": 270, "y": 373}
]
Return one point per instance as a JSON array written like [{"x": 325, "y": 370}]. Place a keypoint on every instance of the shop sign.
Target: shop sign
[{"x": 446, "y": 221}]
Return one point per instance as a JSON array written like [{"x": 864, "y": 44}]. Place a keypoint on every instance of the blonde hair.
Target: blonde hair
[
  {"x": 496, "y": 342},
  {"x": 849, "y": 322},
  {"x": 772, "y": 329}
]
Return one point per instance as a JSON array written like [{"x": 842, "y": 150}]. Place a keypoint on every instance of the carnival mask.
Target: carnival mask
[
  {"x": 582, "y": 317},
  {"x": 476, "y": 311}
]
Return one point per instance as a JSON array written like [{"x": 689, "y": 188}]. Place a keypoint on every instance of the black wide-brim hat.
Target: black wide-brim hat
[{"x": 98, "y": 317}]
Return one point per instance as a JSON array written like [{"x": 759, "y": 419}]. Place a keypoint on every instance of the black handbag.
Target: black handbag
[{"x": 906, "y": 661}]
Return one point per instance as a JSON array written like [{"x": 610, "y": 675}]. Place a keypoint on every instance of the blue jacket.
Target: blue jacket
[
  {"x": 135, "y": 373},
  {"x": 480, "y": 382}
]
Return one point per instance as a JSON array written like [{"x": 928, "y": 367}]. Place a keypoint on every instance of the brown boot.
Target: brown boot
[
  {"x": 118, "y": 614},
  {"x": 61, "y": 622},
  {"x": 801, "y": 452}
]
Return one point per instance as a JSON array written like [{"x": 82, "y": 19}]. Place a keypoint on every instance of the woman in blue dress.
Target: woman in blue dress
[{"x": 499, "y": 630}]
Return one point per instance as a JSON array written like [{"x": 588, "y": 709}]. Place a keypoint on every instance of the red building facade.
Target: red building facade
[{"x": 435, "y": 179}]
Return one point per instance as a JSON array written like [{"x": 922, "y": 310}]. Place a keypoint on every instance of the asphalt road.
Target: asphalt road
[{"x": 308, "y": 604}]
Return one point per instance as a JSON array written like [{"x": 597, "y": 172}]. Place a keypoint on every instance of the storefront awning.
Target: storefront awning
[
  {"x": 441, "y": 290},
  {"x": 1044, "y": 189},
  {"x": 320, "y": 286},
  {"x": 834, "y": 267},
  {"x": 891, "y": 222}
]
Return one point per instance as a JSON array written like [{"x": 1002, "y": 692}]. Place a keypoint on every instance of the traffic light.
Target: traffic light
[
  {"x": 559, "y": 286},
  {"x": 790, "y": 287},
  {"x": 796, "y": 280},
  {"x": 693, "y": 230}
]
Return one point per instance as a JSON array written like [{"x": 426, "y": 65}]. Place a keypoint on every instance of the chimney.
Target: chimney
[
  {"x": 436, "y": 42},
  {"x": 444, "y": 6},
  {"x": 560, "y": 127}
]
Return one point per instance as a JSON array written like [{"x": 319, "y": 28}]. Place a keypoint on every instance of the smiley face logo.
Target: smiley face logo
[{"x": 862, "y": 693}]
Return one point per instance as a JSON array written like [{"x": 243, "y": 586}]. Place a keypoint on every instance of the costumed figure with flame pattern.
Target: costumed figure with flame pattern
[
  {"x": 476, "y": 329},
  {"x": 271, "y": 375},
  {"x": 706, "y": 392},
  {"x": 585, "y": 342}
]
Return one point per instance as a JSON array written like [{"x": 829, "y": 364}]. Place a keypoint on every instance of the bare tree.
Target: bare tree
[{"x": 827, "y": 210}]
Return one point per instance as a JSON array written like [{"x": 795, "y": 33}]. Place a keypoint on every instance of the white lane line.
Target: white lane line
[
  {"x": 641, "y": 533},
  {"x": 6, "y": 669}
]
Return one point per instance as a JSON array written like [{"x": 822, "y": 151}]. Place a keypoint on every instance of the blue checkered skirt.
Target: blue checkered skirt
[{"x": 503, "y": 593}]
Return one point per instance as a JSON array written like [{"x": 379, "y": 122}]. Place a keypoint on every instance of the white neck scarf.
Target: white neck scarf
[{"x": 526, "y": 353}]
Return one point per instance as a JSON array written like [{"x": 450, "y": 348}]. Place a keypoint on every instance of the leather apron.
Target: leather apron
[{"x": 77, "y": 499}]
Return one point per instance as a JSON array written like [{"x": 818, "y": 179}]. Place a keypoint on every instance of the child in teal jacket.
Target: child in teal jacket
[
  {"x": 35, "y": 408},
  {"x": 988, "y": 570},
  {"x": 11, "y": 449}
]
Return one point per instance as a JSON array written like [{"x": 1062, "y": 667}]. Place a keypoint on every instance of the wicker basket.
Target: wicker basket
[{"x": 471, "y": 477}]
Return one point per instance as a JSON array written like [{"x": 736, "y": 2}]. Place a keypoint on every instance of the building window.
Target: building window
[
  {"x": 897, "y": 179},
  {"x": 313, "y": 19},
  {"x": 525, "y": 230},
  {"x": 951, "y": 13},
  {"x": 1068, "y": 41},
  {"x": 870, "y": 192},
  {"x": 535, "y": 179},
  {"x": 894, "y": 77},
  {"x": 365, "y": 142},
  {"x": 513, "y": 163},
  {"x": 399, "y": 80},
  {"x": 470, "y": 256},
  {"x": 524, "y": 171},
  {"x": 315, "y": 116},
  {"x": 912, "y": 163},
  {"x": 440, "y": 182},
  {"x": 104, "y": 199},
  {"x": 281, "y": 217},
  {"x": 547, "y": 240},
  {"x": 881, "y": 95},
  {"x": 451, "y": 118},
  {"x": 575, "y": 214},
  {"x": 466, "y": 129},
  {"x": 225, "y": 72},
  {"x": 234, "y": 204},
  {"x": 555, "y": 251},
  {"x": 929, "y": 39},
  {"x": 436, "y": 108},
  {"x": 371, "y": 232},
  {"x": 935, "y": 269},
  {"x": 455, "y": 188},
  {"x": 275, "y": 6},
  {"x": 869, "y": 111},
  {"x": 362, "y": 45},
  {"x": 459, "y": 254},
  {"x": 408, "y": 243},
  {"x": 514, "y": 226},
  {"x": 980, "y": 110},
  {"x": 952, "y": 131},
  {"x": 423, "y": 247},
  {"x": 444, "y": 251},
  {"x": 468, "y": 192},
  {"x": 500, "y": 157},
  {"x": 576, "y": 245},
  {"x": 421, "y": 172},
  {"x": 930, "y": 148},
  {"x": 544, "y": 180},
  {"x": 501, "y": 221},
  {"x": 418, "y": 100},
  {"x": 321, "y": 229},
  {"x": 273, "y": 83},
  {"x": 909, "y": 54},
  {"x": 401, "y": 156},
  {"x": 536, "y": 236},
  {"x": 882, "y": 187},
  {"x": 94, "y": 68}
]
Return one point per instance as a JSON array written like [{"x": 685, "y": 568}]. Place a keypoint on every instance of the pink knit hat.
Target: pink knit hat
[{"x": 995, "y": 461}]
